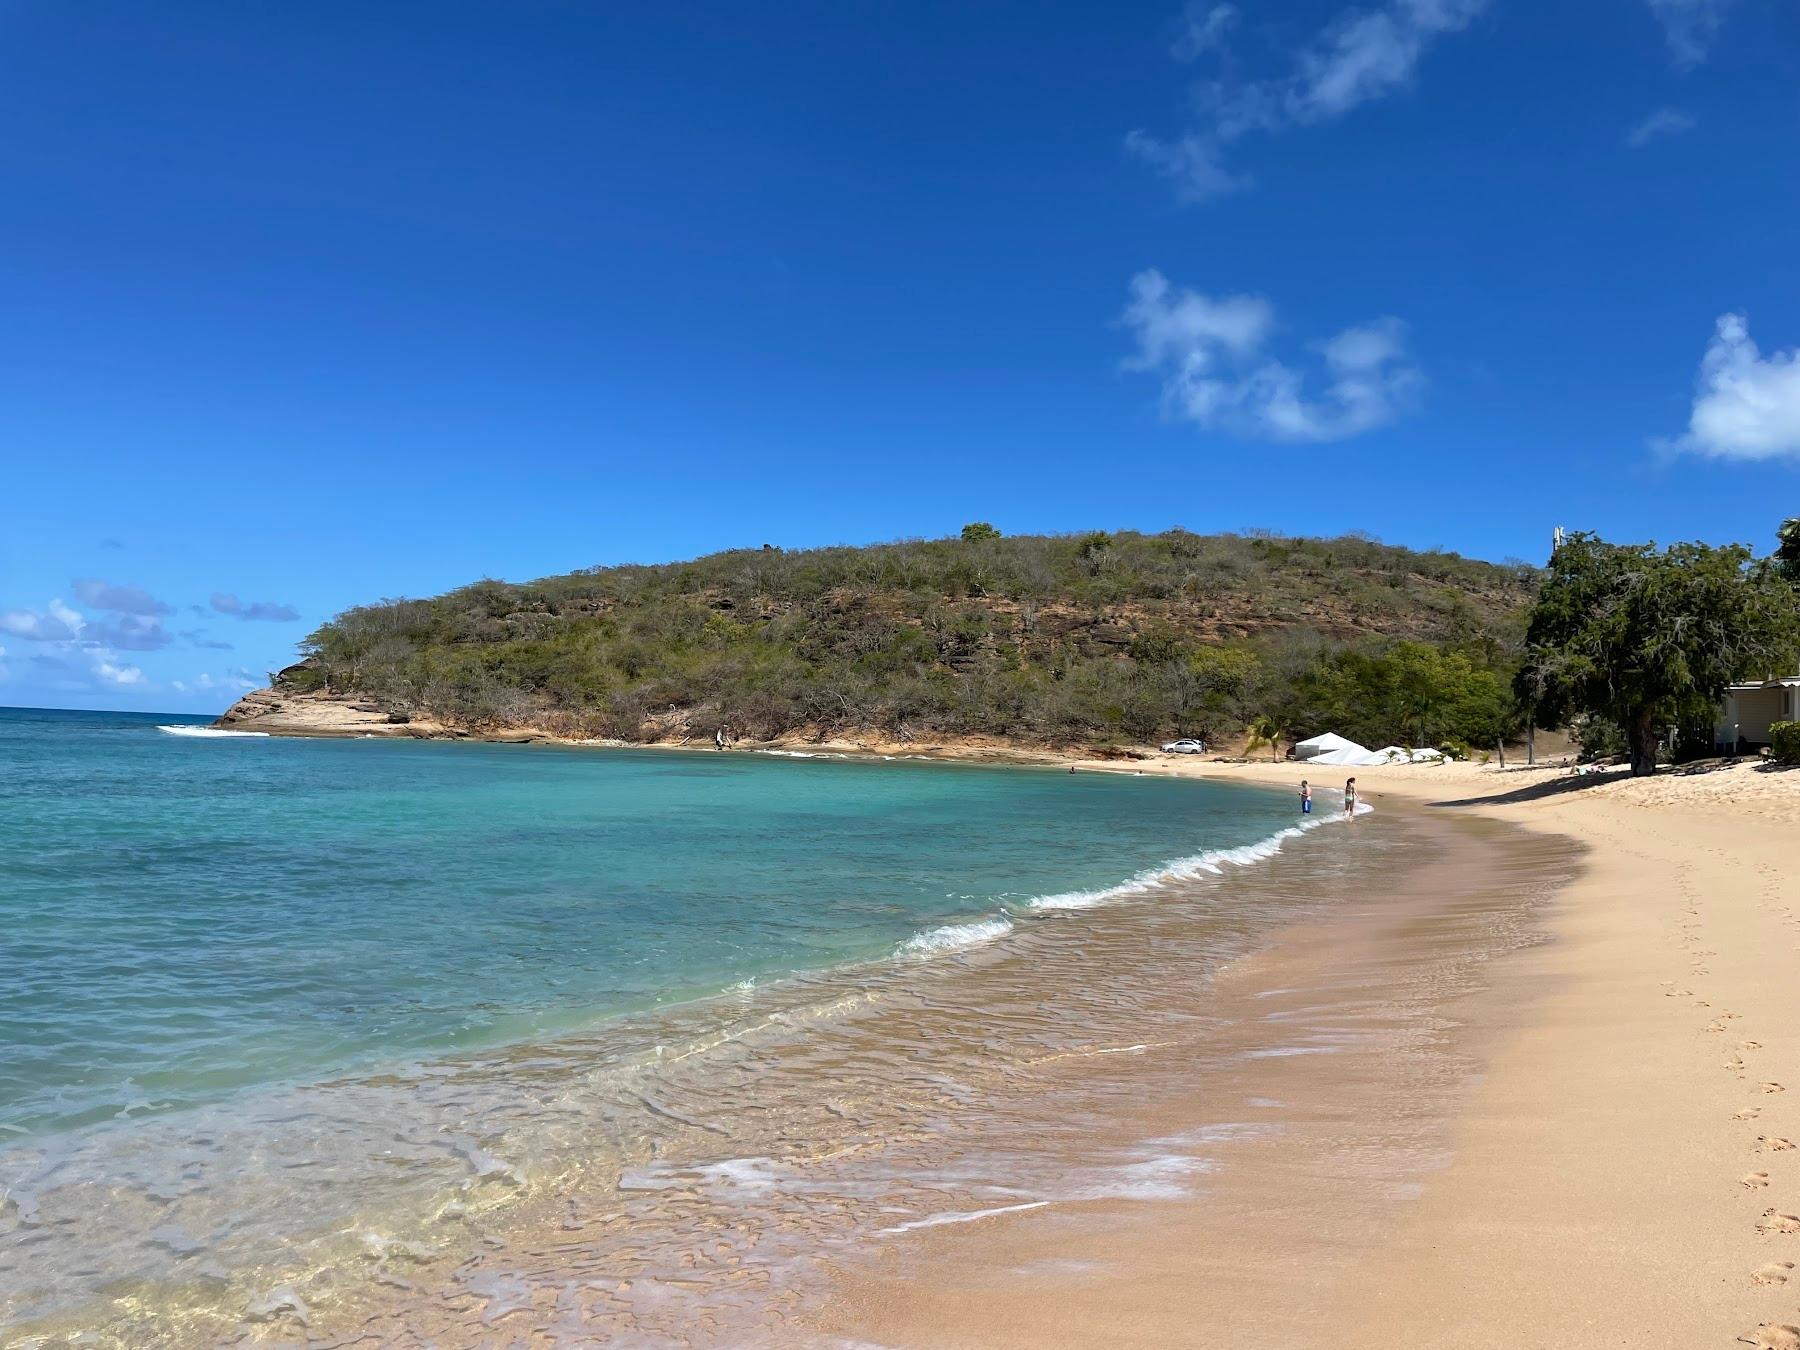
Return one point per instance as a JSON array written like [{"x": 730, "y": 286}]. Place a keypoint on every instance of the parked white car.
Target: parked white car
[{"x": 1187, "y": 745}]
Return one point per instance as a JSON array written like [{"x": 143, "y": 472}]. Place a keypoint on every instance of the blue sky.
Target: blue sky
[{"x": 307, "y": 305}]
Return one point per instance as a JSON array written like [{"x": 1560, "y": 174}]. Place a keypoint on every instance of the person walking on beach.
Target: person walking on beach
[
  {"x": 1350, "y": 799},
  {"x": 1305, "y": 798}
]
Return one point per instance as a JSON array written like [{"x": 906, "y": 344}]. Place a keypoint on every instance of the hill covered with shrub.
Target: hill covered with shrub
[{"x": 1059, "y": 639}]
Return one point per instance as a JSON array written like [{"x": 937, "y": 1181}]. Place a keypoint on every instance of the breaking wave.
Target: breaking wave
[
  {"x": 956, "y": 936},
  {"x": 179, "y": 729},
  {"x": 1212, "y": 862},
  {"x": 953, "y": 937}
]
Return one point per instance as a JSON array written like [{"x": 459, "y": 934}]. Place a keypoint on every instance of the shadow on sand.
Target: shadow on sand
[{"x": 1564, "y": 783}]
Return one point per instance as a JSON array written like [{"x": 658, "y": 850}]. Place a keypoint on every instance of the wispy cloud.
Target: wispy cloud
[
  {"x": 1690, "y": 26},
  {"x": 1746, "y": 405},
  {"x": 97, "y": 594},
  {"x": 1193, "y": 164},
  {"x": 237, "y": 682},
  {"x": 1662, "y": 122},
  {"x": 265, "y": 610},
  {"x": 197, "y": 637},
  {"x": 1361, "y": 55},
  {"x": 1203, "y": 29},
  {"x": 1213, "y": 359}
]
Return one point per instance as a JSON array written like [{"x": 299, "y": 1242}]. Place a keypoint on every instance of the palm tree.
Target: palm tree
[{"x": 1265, "y": 730}]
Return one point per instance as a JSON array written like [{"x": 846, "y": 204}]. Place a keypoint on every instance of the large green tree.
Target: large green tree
[{"x": 1650, "y": 638}]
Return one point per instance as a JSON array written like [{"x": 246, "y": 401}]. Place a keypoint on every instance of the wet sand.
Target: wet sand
[
  {"x": 1120, "y": 1126},
  {"x": 1602, "y": 1156},
  {"x": 1352, "y": 1060}
]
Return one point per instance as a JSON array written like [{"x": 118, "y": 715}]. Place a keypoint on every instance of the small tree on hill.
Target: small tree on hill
[
  {"x": 975, "y": 531},
  {"x": 1650, "y": 639}
]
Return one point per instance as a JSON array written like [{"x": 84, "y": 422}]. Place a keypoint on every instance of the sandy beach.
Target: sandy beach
[{"x": 1616, "y": 1164}]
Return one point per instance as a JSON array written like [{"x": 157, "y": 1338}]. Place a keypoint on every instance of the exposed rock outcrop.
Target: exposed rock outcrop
[{"x": 284, "y": 712}]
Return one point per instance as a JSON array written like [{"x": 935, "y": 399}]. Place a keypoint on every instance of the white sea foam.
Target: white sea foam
[
  {"x": 1161, "y": 1178},
  {"x": 956, "y": 936},
  {"x": 1286, "y": 1051},
  {"x": 178, "y": 729},
  {"x": 1213, "y": 862},
  {"x": 963, "y": 1216}
]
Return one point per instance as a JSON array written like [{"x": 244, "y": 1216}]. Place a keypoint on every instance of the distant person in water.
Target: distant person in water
[
  {"x": 1350, "y": 798},
  {"x": 1305, "y": 798}
]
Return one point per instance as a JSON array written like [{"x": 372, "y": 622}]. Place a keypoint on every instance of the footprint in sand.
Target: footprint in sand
[
  {"x": 1774, "y": 1336},
  {"x": 1735, "y": 1063},
  {"x": 1748, "y": 1113},
  {"x": 1776, "y": 1272},
  {"x": 1773, "y": 1221},
  {"x": 1751, "y": 1181},
  {"x": 1749, "y": 1045},
  {"x": 1772, "y": 1143},
  {"x": 1773, "y": 1087}
]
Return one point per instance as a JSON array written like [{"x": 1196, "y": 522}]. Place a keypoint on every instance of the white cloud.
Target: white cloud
[
  {"x": 1746, "y": 405},
  {"x": 58, "y": 623},
  {"x": 1662, "y": 122},
  {"x": 1690, "y": 26},
  {"x": 110, "y": 672},
  {"x": 1212, "y": 357},
  {"x": 1359, "y": 56}
]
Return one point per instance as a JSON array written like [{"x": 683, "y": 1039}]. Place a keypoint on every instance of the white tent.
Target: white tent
[
  {"x": 1353, "y": 756},
  {"x": 1343, "y": 752},
  {"x": 1328, "y": 744}
]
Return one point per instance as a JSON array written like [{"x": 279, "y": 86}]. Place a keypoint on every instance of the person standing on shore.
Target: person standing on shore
[
  {"x": 1350, "y": 799},
  {"x": 1305, "y": 798}
]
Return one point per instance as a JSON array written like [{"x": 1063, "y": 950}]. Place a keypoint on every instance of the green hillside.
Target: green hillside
[{"x": 1067, "y": 638}]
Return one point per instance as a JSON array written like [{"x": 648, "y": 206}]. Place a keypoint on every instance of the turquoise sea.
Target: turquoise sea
[{"x": 196, "y": 927}]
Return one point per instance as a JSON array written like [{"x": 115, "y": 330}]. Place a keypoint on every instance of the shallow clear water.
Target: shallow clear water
[
  {"x": 183, "y": 917},
  {"x": 294, "y": 1015}
]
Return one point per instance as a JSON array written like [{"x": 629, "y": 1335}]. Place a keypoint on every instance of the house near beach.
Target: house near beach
[{"x": 1751, "y": 708}]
